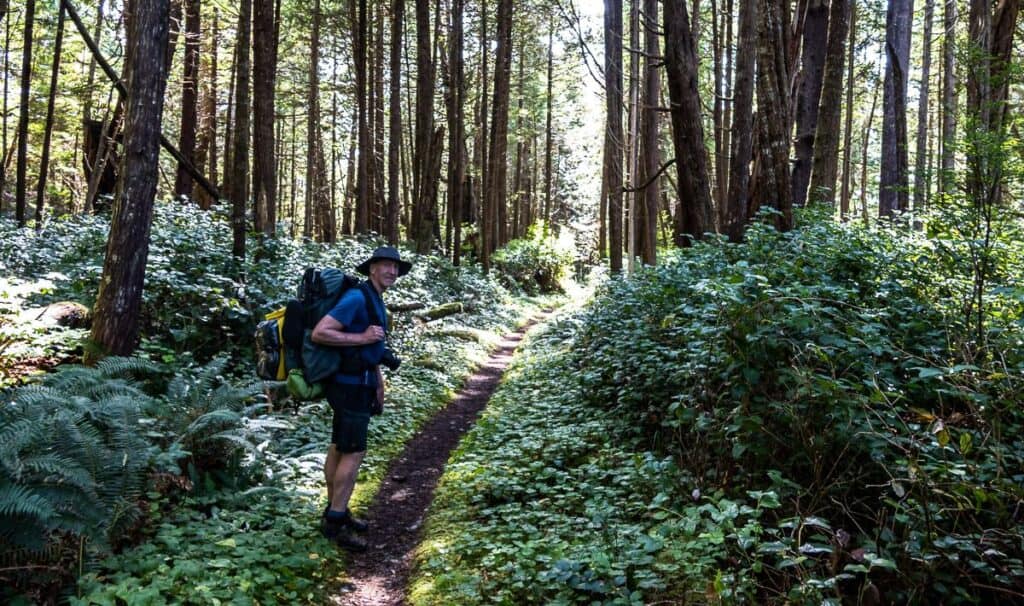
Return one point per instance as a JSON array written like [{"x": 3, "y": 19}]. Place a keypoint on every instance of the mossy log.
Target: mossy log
[{"x": 441, "y": 311}]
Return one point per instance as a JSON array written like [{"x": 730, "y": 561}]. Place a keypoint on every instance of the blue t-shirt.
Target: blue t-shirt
[{"x": 351, "y": 313}]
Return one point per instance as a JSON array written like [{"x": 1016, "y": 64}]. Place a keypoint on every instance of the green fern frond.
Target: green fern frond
[
  {"x": 118, "y": 366},
  {"x": 19, "y": 500}
]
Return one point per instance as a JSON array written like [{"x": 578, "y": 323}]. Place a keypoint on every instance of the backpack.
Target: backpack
[
  {"x": 279, "y": 342},
  {"x": 284, "y": 346}
]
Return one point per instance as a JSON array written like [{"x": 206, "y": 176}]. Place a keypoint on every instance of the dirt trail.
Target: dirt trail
[{"x": 379, "y": 577}]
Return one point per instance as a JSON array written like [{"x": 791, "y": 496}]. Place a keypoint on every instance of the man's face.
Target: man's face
[{"x": 384, "y": 273}]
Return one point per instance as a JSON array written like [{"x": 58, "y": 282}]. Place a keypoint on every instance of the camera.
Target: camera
[{"x": 389, "y": 359}]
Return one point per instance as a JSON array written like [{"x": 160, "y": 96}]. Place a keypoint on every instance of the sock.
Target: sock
[{"x": 337, "y": 516}]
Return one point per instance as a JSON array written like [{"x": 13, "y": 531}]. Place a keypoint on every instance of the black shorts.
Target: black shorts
[{"x": 351, "y": 406}]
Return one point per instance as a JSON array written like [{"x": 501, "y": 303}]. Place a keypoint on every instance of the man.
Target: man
[{"x": 357, "y": 388}]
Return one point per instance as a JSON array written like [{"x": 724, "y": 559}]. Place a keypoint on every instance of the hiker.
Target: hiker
[{"x": 353, "y": 395}]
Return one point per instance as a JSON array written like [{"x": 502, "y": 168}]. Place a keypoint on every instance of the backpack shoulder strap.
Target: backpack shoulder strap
[{"x": 371, "y": 309}]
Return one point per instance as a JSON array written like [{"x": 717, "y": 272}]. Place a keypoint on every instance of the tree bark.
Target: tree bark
[
  {"x": 813, "y": 52},
  {"x": 44, "y": 163},
  {"x": 548, "y": 130},
  {"x": 20, "y": 210},
  {"x": 362, "y": 210},
  {"x": 920, "y": 177},
  {"x": 456, "y": 133},
  {"x": 115, "y": 328},
  {"x": 893, "y": 187},
  {"x": 240, "y": 147},
  {"x": 263, "y": 85},
  {"x": 647, "y": 215},
  {"x": 395, "y": 125},
  {"x": 189, "y": 98},
  {"x": 773, "y": 183},
  {"x": 825, "y": 169},
  {"x": 318, "y": 198},
  {"x": 844, "y": 198},
  {"x": 949, "y": 98},
  {"x": 742, "y": 126},
  {"x": 613, "y": 132},
  {"x": 498, "y": 140},
  {"x": 694, "y": 216}
]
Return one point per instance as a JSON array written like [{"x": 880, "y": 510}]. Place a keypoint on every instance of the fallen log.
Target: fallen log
[{"x": 441, "y": 311}]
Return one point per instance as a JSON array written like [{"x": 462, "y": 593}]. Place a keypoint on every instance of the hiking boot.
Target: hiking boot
[
  {"x": 356, "y": 524},
  {"x": 348, "y": 541}
]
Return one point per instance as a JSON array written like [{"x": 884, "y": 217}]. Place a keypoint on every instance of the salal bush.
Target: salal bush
[
  {"x": 538, "y": 262},
  {"x": 822, "y": 364}
]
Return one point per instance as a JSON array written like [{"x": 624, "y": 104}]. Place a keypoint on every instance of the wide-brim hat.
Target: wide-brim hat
[{"x": 385, "y": 253}]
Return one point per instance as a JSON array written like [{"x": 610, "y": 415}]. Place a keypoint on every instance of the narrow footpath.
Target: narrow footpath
[{"x": 380, "y": 576}]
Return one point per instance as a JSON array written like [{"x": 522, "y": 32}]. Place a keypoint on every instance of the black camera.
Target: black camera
[{"x": 389, "y": 359}]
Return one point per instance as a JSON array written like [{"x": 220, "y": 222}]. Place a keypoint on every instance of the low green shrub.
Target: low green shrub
[
  {"x": 823, "y": 365},
  {"x": 549, "y": 501},
  {"x": 536, "y": 263}
]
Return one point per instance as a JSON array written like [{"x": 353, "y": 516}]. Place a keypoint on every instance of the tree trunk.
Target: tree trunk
[
  {"x": 773, "y": 183},
  {"x": 189, "y": 98},
  {"x": 318, "y": 198},
  {"x": 844, "y": 198},
  {"x": 395, "y": 126},
  {"x": 826, "y": 136},
  {"x": 44, "y": 163},
  {"x": 949, "y": 98},
  {"x": 91, "y": 79},
  {"x": 920, "y": 176},
  {"x": 4, "y": 157},
  {"x": 206, "y": 143},
  {"x": 426, "y": 210},
  {"x": 456, "y": 134},
  {"x": 694, "y": 216},
  {"x": 498, "y": 169},
  {"x": 613, "y": 132},
  {"x": 808, "y": 94},
  {"x": 742, "y": 126},
  {"x": 115, "y": 328},
  {"x": 647, "y": 215},
  {"x": 548, "y": 132},
  {"x": 379, "y": 197},
  {"x": 240, "y": 153},
  {"x": 26, "y": 83},
  {"x": 893, "y": 187},
  {"x": 263, "y": 84},
  {"x": 362, "y": 210}
]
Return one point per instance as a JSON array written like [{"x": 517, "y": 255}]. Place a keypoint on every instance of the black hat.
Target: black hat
[{"x": 385, "y": 253}]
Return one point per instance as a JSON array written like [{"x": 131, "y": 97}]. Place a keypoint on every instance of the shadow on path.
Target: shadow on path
[{"x": 379, "y": 577}]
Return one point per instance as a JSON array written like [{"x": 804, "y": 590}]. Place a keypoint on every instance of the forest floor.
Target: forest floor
[{"x": 379, "y": 577}]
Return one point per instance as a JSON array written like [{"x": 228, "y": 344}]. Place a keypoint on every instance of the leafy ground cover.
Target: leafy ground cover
[
  {"x": 551, "y": 501},
  {"x": 804, "y": 418},
  {"x": 220, "y": 491}
]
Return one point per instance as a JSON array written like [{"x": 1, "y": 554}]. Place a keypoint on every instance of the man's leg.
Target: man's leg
[
  {"x": 330, "y": 467},
  {"x": 344, "y": 481}
]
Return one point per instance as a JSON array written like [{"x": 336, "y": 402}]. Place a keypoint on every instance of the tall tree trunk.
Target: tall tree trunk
[
  {"x": 808, "y": 94},
  {"x": 633, "y": 135},
  {"x": 4, "y": 157},
  {"x": 380, "y": 128},
  {"x": 44, "y": 163},
  {"x": 920, "y": 177},
  {"x": 694, "y": 216},
  {"x": 894, "y": 183},
  {"x": 240, "y": 153},
  {"x": 647, "y": 216},
  {"x": 263, "y": 84},
  {"x": 481, "y": 148},
  {"x": 613, "y": 132},
  {"x": 742, "y": 126},
  {"x": 395, "y": 126},
  {"x": 26, "y": 83},
  {"x": 426, "y": 211},
  {"x": 548, "y": 131},
  {"x": 91, "y": 78},
  {"x": 825, "y": 169},
  {"x": 115, "y": 328},
  {"x": 318, "y": 198},
  {"x": 189, "y": 98},
  {"x": 362, "y": 210},
  {"x": 844, "y": 198},
  {"x": 773, "y": 184},
  {"x": 498, "y": 170},
  {"x": 456, "y": 133},
  {"x": 206, "y": 144},
  {"x": 949, "y": 98}
]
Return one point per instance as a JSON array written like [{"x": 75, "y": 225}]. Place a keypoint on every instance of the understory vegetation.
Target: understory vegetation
[
  {"x": 164, "y": 477},
  {"x": 804, "y": 418}
]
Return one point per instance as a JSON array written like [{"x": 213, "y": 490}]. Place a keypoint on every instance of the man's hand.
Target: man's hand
[{"x": 373, "y": 334}]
